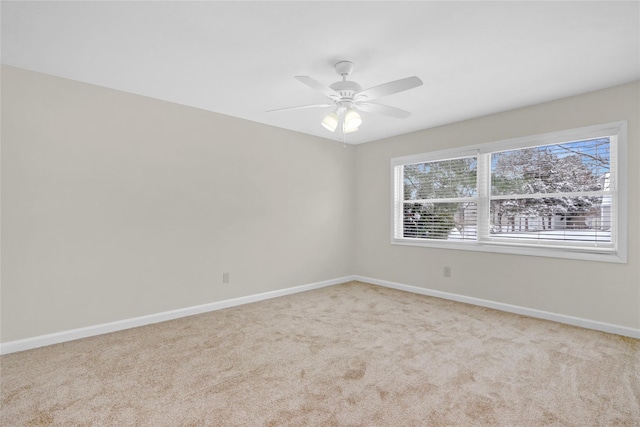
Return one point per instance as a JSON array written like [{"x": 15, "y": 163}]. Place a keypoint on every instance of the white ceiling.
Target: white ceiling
[{"x": 239, "y": 58}]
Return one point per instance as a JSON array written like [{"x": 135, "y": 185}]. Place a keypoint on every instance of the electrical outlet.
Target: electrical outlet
[
  {"x": 447, "y": 272},
  {"x": 225, "y": 277}
]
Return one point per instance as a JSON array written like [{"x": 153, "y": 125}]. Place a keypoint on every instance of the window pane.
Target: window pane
[
  {"x": 441, "y": 179},
  {"x": 568, "y": 219},
  {"x": 559, "y": 168},
  {"x": 443, "y": 221}
]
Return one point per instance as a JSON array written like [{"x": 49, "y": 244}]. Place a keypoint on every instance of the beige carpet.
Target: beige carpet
[{"x": 347, "y": 355}]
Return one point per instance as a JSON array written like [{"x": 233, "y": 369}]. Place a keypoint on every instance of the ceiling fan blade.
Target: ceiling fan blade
[
  {"x": 389, "y": 88},
  {"x": 300, "y": 107},
  {"x": 314, "y": 84},
  {"x": 383, "y": 110}
]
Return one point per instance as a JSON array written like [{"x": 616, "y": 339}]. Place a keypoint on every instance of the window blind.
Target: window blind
[{"x": 440, "y": 199}]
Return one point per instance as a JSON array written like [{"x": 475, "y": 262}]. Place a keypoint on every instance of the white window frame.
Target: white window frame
[{"x": 485, "y": 243}]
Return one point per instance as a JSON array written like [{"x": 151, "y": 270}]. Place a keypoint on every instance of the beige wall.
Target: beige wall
[
  {"x": 602, "y": 292},
  {"x": 116, "y": 206}
]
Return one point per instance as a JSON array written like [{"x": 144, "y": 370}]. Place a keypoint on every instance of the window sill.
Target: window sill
[{"x": 576, "y": 254}]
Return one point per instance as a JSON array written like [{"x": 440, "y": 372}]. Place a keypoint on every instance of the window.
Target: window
[
  {"x": 440, "y": 199},
  {"x": 559, "y": 195}
]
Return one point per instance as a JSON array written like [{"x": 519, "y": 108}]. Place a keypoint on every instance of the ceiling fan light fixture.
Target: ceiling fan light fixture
[
  {"x": 330, "y": 121},
  {"x": 352, "y": 120}
]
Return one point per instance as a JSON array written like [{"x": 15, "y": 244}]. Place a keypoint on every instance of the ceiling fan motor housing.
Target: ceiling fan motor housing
[{"x": 346, "y": 89}]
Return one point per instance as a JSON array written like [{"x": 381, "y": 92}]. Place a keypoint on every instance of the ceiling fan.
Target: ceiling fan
[{"x": 348, "y": 97}]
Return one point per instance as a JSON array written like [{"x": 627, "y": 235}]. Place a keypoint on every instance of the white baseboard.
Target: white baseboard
[
  {"x": 89, "y": 331},
  {"x": 560, "y": 318}
]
